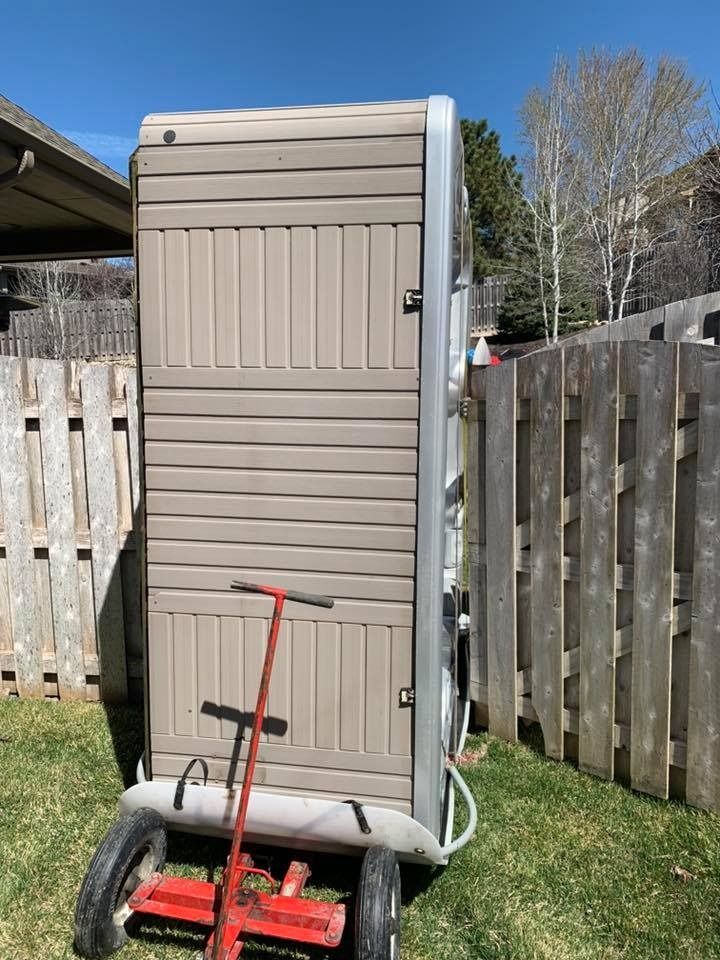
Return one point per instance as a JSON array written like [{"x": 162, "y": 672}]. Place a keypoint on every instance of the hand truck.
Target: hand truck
[{"x": 125, "y": 879}]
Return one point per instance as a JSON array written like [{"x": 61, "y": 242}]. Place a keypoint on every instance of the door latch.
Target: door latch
[
  {"x": 412, "y": 300},
  {"x": 407, "y": 696}
]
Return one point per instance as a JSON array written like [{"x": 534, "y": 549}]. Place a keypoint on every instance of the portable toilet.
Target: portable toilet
[{"x": 303, "y": 305}]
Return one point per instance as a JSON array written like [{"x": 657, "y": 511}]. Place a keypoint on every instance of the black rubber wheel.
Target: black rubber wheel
[
  {"x": 134, "y": 847},
  {"x": 377, "y": 909}
]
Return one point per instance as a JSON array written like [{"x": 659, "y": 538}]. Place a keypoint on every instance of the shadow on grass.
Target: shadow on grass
[{"x": 127, "y": 731}]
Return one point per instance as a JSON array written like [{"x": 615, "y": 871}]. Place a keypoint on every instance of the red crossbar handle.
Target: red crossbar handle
[
  {"x": 297, "y": 596},
  {"x": 222, "y": 945}
]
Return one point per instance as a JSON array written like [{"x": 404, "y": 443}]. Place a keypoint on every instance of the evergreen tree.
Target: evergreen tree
[
  {"x": 493, "y": 184},
  {"x": 520, "y": 316},
  {"x": 503, "y": 239}
]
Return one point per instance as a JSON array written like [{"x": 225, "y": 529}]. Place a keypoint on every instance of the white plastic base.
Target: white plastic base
[{"x": 294, "y": 822}]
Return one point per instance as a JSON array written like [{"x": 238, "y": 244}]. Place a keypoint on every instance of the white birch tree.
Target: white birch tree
[
  {"x": 55, "y": 287},
  {"x": 549, "y": 180},
  {"x": 63, "y": 291},
  {"x": 632, "y": 122}
]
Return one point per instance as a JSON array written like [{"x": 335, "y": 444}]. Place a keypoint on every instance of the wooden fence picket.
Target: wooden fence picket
[
  {"x": 703, "y": 731},
  {"x": 61, "y": 536},
  {"x": 598, "y": 533},
  {"x": 604, "y": 458},
  {"x": 17, "y": 512},
  {"x": 475, "y": 532},
  {"x": 131, "y": 402},
  {"x": 657, "y": 382},
  {"x": 62, "y": 453},
  {"x": 546, "y": 545},
  {"x": 501, "y": 587},
  {"x": 103, "y": 510}
]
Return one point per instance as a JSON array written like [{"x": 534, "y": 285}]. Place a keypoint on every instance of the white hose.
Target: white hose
[
  {"x": 464, "y": 728},
  {"x": 469, "y": 830},
  {"x": 140, "y": 770}
]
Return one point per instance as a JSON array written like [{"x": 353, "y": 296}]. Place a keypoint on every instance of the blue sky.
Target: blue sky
[{"x": 93, "y": 69}]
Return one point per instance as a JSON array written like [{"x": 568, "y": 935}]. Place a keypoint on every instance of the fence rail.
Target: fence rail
[
  {"x": 595, "y": 558},
  {"x": 96, "y": 330},
  {"x": 70, "y": 489}
]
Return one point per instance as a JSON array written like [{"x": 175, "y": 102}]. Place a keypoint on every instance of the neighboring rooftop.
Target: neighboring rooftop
[{"x": 56, "y": 200}]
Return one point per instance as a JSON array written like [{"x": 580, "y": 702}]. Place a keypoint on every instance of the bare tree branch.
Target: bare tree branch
[
  {"x": 550, "y": 171},
  {"x": 633, "y": 123},
  {"x": 61, "y": 288}
]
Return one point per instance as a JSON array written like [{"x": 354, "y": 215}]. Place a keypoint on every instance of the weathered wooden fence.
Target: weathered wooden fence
[
  {"x": 96, "y": 329},
  {"x": 485, "y": 302},
  {"x": 69, "y": 487},
  {"x": 697, "y": 318},
  {"x": 594, "y": 547}
]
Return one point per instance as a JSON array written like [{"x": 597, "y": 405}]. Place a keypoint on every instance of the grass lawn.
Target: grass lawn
[{"x": 562, "y": 866}]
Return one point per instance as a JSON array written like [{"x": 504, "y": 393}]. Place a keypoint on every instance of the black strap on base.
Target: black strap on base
[
  {"x": 359, "y": 815},
  {"x": 180, "y": 789}
]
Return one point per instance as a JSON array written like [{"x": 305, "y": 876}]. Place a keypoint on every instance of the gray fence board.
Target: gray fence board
[
  {"x": 697, "y": 318},
  {"x": 48, "y": 441},
  {"x": 615, "y": 636},
  {"x": 500, "y": 538},
  {"x": 103, "y": 511},
  {"x": 546, "y": 545},
  {"x": 703, "y": 732},
  {"x": 60, "y": 523},
  {"x": 17, "y": 511},
  {"x": 657, "y": 373},
  {"x": 598, "y": 510}
]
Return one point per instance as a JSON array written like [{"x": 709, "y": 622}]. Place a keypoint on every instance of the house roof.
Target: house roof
[{"x": 56, "y": 200}]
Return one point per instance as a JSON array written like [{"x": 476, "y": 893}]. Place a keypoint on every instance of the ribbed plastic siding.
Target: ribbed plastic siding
[{"x": 280, "y": 390}]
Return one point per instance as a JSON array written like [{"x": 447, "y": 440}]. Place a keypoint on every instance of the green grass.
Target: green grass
[{"x": 562, "y": 866}]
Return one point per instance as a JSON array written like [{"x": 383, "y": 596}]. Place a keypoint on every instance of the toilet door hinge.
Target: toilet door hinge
[{"x": 407, "y": 696}]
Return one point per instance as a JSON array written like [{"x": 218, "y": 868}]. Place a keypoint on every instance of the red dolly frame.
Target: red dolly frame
[{"x": 232, "y": 909}]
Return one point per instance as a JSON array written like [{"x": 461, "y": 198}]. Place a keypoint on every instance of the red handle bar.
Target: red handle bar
[{"x": 297, "y": 596}]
